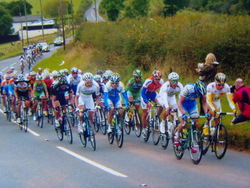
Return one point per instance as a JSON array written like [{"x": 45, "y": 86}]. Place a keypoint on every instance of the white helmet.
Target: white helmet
[
  {"x": 88, "y": 76},
  {"x": 54, "y": 73},
  {"x": 173, "y": 76},
  {"x": 21, "y": 77}
]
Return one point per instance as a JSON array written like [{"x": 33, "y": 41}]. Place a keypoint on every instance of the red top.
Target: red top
[
  {"x": 242, "y": 96},
  {"x": 48, "y": 82}
]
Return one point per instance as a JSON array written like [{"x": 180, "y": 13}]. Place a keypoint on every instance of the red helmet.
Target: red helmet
[{"x": 157, "y": 74}]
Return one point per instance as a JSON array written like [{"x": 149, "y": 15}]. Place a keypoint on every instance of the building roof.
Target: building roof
[{"x": 30, "y": 18}]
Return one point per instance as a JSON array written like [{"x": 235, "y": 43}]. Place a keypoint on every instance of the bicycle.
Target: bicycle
[
  {"x": 39, "y": 113},
  {"x": 100, "y": 120},
  {"x": 51, "y": 115},
  {"x": 132, "y": 120},
  {"x": 117, "y": 129},
  {"x": 72, "y": 115},
  {"x": 88, "y": 131},
  {"x": 153, "y": 124},
  {"x": 8, "y": 107},
  {"x": 217, "y": 136},
  {"x": 190, "y": 138},
  {"x": 65, "y": 127},
  {"x": 24, "y": 117},
  {"x": 171, "y": 123}
]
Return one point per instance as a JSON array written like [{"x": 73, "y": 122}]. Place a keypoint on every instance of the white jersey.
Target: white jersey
[
  {"x": 87, "y": 92},
  {"x": 168, "y": 94},
  {"x": 74, "y": 81}
]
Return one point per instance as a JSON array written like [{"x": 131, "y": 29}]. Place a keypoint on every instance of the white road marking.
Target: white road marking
[
  {"x": 12, "y": 64},
  {"x": 104, "y": 168},
  {"x": 5, "y": 68}
]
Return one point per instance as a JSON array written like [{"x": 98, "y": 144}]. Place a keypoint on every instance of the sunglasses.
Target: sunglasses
[
  {"x": 220, "y": 85},
  {"x": 174, "y": 81},
  {"x": 137, "y": 77},
  {"x": 115, "y": 83}
]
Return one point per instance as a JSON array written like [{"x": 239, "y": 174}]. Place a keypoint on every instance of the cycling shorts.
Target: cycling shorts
[
  {"x": 23, "y": 95},
  {"x": 87, "y": 102},
  {"x": 190, "y": 107},
  {"x": 152, "y": 98},
  {"x": 116, "y": 102},
  {"x": 39, "y": 95}
]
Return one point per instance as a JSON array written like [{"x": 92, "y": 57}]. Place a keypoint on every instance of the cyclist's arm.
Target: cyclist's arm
[
  {"x": 125, "y": 97},
  {"x": 230, "y": 100},
  {"x": 106, "y": 99},
  {"x": 46, "y": 91},
  {"x": 144, "y": 96},
  {"x": 76, "y": 100},
  {"x": 204, "y": 103},
  {"x": 210, "y": 102},
  {"x": 181, "y": 100},
  {"x": 15, "y": 92}
]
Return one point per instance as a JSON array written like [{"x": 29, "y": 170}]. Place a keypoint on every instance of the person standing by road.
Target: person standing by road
[{"x": 242, "y": 97}]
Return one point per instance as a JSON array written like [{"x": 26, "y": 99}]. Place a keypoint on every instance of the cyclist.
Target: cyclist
[
  {"x": 134, "y": 86},
  {"x": 242, "y": 97},
  {"x": 54, "y": 75},
  {"x": 98, "y": 80},
  {"x": 84, "y": 97},
  {"x": 40, "y": 92},
  {"x": 112, "y": 98},
  {"x": 61, "y": 93},
  {"x": 105, "y": 78},
  {"x": 168, "y": 93},
  {"x": 74, "y": 79},
  {"x": 148, "y": 93},
  {"x": 214, "y": 92},
  {"x": 48, "y": 81},
  {"x": 22, "y": 92},
  {"x": 39, "y": 71},
  {"x": 5, "y": 89},
  {"x": 31, "y": 78},
  {"x": 187, "y": 105}
]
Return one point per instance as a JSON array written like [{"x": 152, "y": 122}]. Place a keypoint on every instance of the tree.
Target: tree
[
  {"x": 5, "y": 21},
  {"x": 52, "y": 8},
  {"x": 136, "y": 8},
  {"x": 112, "y": 8},
  {"x": 17, "y": 7}
]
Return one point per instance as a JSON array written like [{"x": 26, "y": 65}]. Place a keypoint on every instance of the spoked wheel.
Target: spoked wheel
[
  {"x": 221, "y": 141},
  {"x": 127, "y": 122},
  {"x": 97, "y": 121},
  {"x": 59, "y": 132},
  {"x": 40, "y": 117},
  {"x": 68, "y": 130},
  {"x": 8, "y": 110},
  {"x": 164, "y": 138},
  {"x": 195, "y": 147},
  {"x": 137, "y": 124},
  {"x": 92, "y": 139},
  {"x": 119, "y": 135},
  {"x": 25, "y": 120},
  {"x": 111, "y": 137},
  {"x": 206, "y": 141},
  {"x": 103, "y": 122},
  {"x": 83, "y": 138},
  {"x": 156, "y": 131},
  {"x": 178, "y": 150}
]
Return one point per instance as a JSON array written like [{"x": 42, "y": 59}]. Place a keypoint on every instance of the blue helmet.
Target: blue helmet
[{"x": 201, "y": 87}]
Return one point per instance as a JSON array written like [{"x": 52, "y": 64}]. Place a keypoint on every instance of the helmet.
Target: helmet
[
  {"x": 66, "y": 71},
  {"x": 8, "y": 76},
  {"x": 220, "y": 78},
  {"x": 173, "y": 76},
  {"x": 54, "y": 73},
  {"x": 88, "y": 76},
  {"x": 115, "y": 77},
  {"x": 74, "y": 69},
  {"x": 32, "y": 73},
  {"x": 61, "y": 72},
  {"x": 97, "y": 78},
  {"x": 157, "y": 74},
  {"x": 99, "y": 72},
  {"x": 201, "y": 87},
  {"x": 39, "y": 77},
  {"x": 12, "y": 68},
  {"x": 21, "y": 77},
  {"x": 137, "y": 73},
  {"x": 39, "y": 69},
  {"x": 109, "y": 72},
  {"x": 63, "y": 81},
  {"x": 105, "y": 76},
  {"x": 14, "y": 75}
]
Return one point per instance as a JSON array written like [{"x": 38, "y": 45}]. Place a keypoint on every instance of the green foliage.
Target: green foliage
[
  {"x": 18, "y": 7},
  {"x": 112, "y": 8},
  {"x": 5, "y": 21},
  {"x": 136, "y": 8}
]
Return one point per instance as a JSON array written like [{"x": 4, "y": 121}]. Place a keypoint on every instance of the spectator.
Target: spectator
[{"x": 242, "y": 97}]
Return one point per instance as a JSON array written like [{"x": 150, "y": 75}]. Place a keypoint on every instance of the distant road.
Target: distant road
[{"x": 91, "y": 15}]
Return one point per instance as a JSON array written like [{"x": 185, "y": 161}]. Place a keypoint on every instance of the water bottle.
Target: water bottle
[
  {"x": 206, "y": 130},
  {"x": 185, "y": 133},
  {"x": 212, "y": 130}
]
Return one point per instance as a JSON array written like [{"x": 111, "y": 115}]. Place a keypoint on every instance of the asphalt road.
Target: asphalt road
[{"x": 92, "y": 14}]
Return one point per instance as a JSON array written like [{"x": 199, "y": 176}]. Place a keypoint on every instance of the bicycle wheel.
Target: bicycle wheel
[
  {"x": 178, "y": 150},
  {"x": 103, "y": 121},
  {"x": 59, "y": 132},
  {"x": 119, "y": 134},
  {"x": 164, "y": 138},
  {"x": 126, "y": 125},
  {"x": 137, "y": 123},
  {"x": 195, "y": 147},
  {"x": 25, "y": 120},
  {"x": 67, "y": 129},
  {"x": 83, "y": 139},
  {"x": 8, "y": 110},
  {"x": 221, "y": 141},
  {"x": 206, "y": 140},
  {"x": 111, "y": 136},
  {"x": 156, "y": 130},
  {"x": 96, "y": 120},
  {"x": 40, "y": 116},
  {"x": 92, "y": 139}
]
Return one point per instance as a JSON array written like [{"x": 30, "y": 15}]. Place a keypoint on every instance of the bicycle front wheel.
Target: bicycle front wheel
[
  {"x": 221, "y": 141},
  {"x": 40, "y": 117},
  {"x": 206, "y": 141},
  {"x": 156, "y": 130},
  {"x": 25, "y": 120},
  {"x": 126, "y": 124},
  {"x": 92, "y": 139},
  {"x": 178, "y": 149},
  {"x": 103, "y": 122},
  {"x": 137, "y": 124},
  {"x": 119, "y": 135},
  {"x": 68, "y": 130},
  {"x": 195, "y": 147}
]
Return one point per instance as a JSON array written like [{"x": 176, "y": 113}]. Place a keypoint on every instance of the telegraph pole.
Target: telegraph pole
[
  {"x": 25, "y": 12},
  {"x": 62, "y": 17},
  {"x": 72, "y": 18},
  {"x": 95, "y": 12},
  {"x": 41, "y": 7}
]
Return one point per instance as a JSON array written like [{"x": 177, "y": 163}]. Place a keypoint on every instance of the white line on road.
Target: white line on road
[
  {"x": 5, "y": 68},
  {"x": 12, "y": 64},
  {"x": 104, "y": 168}
]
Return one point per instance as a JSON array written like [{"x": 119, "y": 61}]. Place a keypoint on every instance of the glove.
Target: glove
[
  {"x": 207, "y": 115},
  {"x": 184, "y": 117},
  {"x": 234, "y": 111}
]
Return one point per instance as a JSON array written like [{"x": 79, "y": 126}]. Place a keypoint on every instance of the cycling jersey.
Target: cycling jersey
[
  {"x": 86, "y": 94},
  {"x": 111, "y": 95},
  {"x": 214, "y": 95},
  {"x": 149, "y": 88},
  {"x": 73, "y": 82},
  {"x": 168, "y": 94},
  {"x": 22, "y": 89},
  {"x": 133, "y": 88},
  {"x": 39, "y": 89},
  {"x": 60, "y": 91}
]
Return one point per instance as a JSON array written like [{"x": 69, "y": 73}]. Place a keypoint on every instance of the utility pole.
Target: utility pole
[
  {"x": 27, "y": 33},
  {"x": 41, "y": 7},
  {"x": 21, "y": 28},
  {"x": 62, "y": 18},
  {"x": 72, "y": 18},
  {"x": 95, "y": 12}
]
